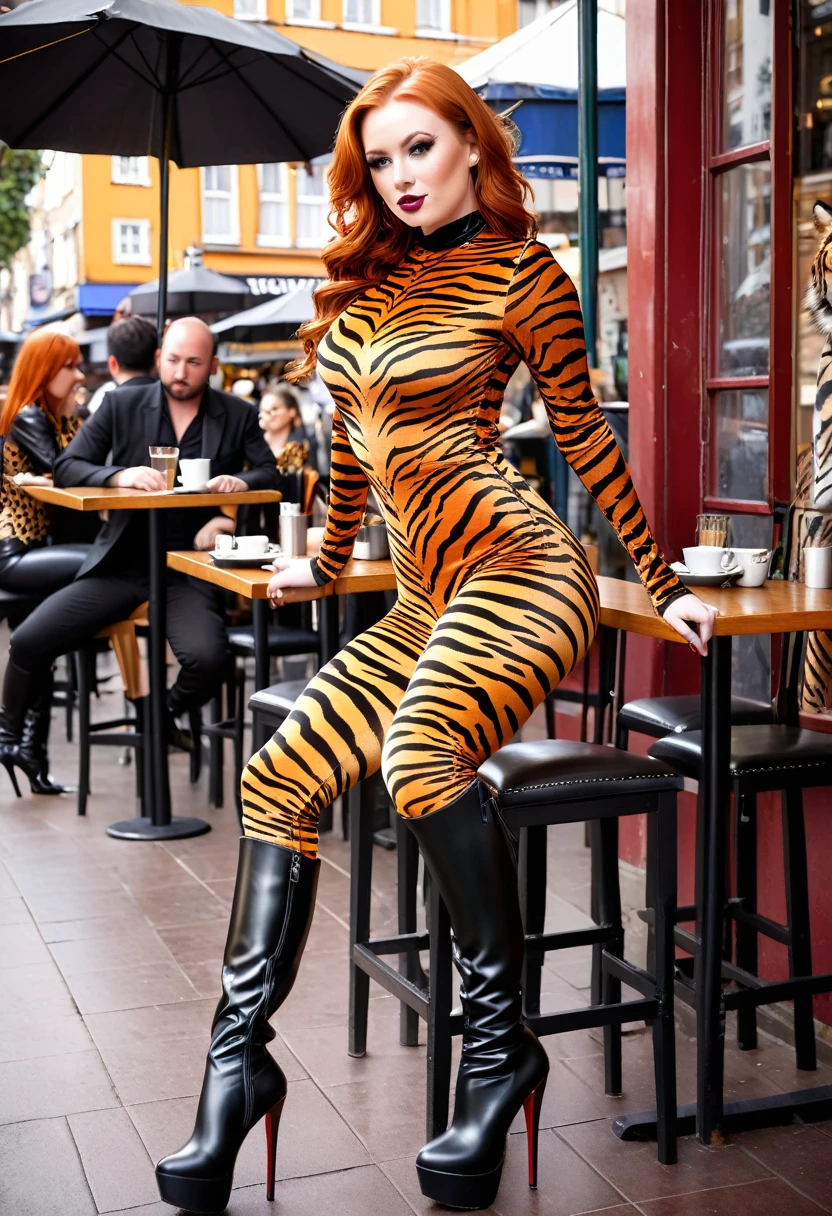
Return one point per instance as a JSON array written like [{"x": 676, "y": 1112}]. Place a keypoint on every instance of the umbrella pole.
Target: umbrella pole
[
  {"x": 168, "y": 95},
  {"x": 588, "y": 170}
]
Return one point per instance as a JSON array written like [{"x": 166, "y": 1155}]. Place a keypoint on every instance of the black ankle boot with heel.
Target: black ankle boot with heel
[
  {"x": 274, "y": 899},
  {"x": 503, "y": 1066},
  {"x": 24, "y": 728}
]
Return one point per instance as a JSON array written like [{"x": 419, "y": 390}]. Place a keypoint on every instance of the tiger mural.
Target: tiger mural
[
  {"x": 497, "y": 602},
  {"x": 810, "y": 515}
]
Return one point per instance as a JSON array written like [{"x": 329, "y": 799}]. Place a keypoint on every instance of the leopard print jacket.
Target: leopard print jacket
[{"x": 21, "y": 516}]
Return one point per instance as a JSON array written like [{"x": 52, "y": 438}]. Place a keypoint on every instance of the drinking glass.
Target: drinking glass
[
  {"x": 165, "y": 460},
  {"x": 712, "y": 530}
]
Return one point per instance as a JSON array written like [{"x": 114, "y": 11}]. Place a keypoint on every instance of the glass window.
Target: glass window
[
  {"x": 747, "y": 33},
  {"x": 739, "y": 445},
  {"x": 361, "y": 12},
  {"x": 433, "y": 15},
  {"x": 744, "y": 215},
  {"x": 250, "y": 10},
  {"x": 313, "y": 229},
  {"x": 130, "y": 171},
  {"x": 220, "y": 218},
  {"x": 273, "y": 224},
  {"x": 131, "y": 242},
  {"x": 303, "y": 10}
]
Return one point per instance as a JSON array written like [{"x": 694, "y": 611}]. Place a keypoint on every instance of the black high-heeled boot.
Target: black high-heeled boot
[
  {"x": 273, "y": 903},
  {"x": 33, "y": 756},
  {"x": 20, "y": 693},
  {"x": 503, "y": 1066}
]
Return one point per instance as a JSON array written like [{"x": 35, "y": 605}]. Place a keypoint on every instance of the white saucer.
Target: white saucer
[
  {"x": 724, "y": 579},
  {"x": 191, "y": 490},
  {"x": 232, "y": 559}
]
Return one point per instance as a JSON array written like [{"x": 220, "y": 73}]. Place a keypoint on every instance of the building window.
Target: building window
[
  {"x": 273, "y": 222},
  {"x": 220, "y": 205},
  {"x": 362, "y": 12},
  {"x": 250, "y": 10},
  {"x": 303, "y": 10},
  {"x": 433, "y": 15},
  {"x": 130, "y": 171},
  {"x": 529, "y": 10},
  {"x": 131, "y": 242},
  {"x": 313, "y": 229}
]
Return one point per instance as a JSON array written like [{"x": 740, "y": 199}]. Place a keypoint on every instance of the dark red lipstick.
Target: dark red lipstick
[{"x": 411, "y": 202}]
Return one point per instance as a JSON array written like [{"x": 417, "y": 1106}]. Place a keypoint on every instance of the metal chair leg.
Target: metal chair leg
[
  {"x": 439, "y": 1016},
  {"x": 745, "y": 886},
  {"x": 195, "y": 727},
  {"x": 407, "y": 864},
  {"x": 797, "y": 919},
  {"x": 609, "y": 913},
  {"x": 361, "y": 876},
  {"x": 215, "y": 757},
  {"x": 83, "y": 663},
  {"x": 532, "y": 882},
  {"x": 664, "y": 1031}
]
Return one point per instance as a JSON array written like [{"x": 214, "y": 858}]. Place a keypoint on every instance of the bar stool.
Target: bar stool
[
  {"x": 112, "y": 733},
  {"x": 764, "y": 758},
  {"x": 539, "y": 784}
]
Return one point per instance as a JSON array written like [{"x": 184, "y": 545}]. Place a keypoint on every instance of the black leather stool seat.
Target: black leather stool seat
[
  {"x": 657, "y": 716},
  {"x": 763, "y": 755},
  {"x": 278, "y": 700},
  {"x": 282, "y": 640},
  {"x": 558, "y": 770}
]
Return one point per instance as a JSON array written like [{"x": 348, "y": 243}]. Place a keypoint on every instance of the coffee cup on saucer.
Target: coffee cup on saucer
[
  {"x": 225, "y": 543},
  {"x": 754, "y": 564},
  {"x": 708, "y": 559},
  {"x": 251, "y": 546},
  {"x": 194, "y": 474}
]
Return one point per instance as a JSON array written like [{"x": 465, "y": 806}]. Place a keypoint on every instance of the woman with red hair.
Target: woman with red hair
[
  {"x": 36, "y": 424},
  {"x": 437, "y": 290}
]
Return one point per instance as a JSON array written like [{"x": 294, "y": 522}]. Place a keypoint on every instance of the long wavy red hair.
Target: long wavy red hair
[
  {"x": 369, "y": 239},
  {"x": 40, "y": 358}
]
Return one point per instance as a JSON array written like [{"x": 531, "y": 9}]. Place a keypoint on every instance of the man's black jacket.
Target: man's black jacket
[{"x": 128, "y": 423}]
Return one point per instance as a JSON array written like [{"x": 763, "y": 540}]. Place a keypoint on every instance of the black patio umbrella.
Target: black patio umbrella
[
  {"x": 274, "y": 319},
  {"x": 159, "y": 78},
  {"x": 196, "y": 289}
]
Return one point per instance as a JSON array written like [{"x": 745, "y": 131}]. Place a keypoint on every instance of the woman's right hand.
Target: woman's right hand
[{"x": 291, "y": 572}]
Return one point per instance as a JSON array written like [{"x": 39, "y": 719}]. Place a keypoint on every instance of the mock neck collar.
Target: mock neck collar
[{"x": 450, "y": 236}]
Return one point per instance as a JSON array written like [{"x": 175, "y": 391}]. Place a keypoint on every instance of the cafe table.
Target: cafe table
[
  {"x": 776, "y": 608},
  {"x": 160, "y": 824}
]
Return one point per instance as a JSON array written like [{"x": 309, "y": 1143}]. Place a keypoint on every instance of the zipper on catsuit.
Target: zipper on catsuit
[{"x": 248, "y": 1087}]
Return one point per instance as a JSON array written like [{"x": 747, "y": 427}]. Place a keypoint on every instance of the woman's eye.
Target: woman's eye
[
  {"x": 379, "y": 162},
  {"x": 420, "y": 148}
]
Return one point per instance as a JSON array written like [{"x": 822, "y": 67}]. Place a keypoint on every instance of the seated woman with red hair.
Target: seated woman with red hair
[{"x": 36, "y": 424}]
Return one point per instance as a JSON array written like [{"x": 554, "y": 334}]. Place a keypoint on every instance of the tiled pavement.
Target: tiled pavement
[{"x": 109, "y": 960}]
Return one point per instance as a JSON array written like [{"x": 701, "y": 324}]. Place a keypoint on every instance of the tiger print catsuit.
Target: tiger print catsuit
[{"x": 496, "y": 599}]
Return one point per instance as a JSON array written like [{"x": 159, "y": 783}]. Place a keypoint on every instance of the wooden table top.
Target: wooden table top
[
  {"x": 252, "y": 582},
  {"x": 107, "y": 498},
  {"x": 777, "y": 607}
]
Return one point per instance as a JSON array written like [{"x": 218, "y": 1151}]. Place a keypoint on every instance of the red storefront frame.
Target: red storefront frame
[{"x": 672, "y": 64}]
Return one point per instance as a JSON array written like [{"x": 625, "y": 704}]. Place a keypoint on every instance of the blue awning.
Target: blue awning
[
  {"x": 549, "y": 130},
  {"x": 101, "y": 299}
]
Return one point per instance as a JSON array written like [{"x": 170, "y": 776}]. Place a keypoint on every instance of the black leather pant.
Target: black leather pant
[
  {"x": 39, "y": 572},
  {"x": 72, "y": 616}
]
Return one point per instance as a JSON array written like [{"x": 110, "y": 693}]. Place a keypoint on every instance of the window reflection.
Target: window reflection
[
  {"x": 745, "y": 269},
  {"x": 739, "y": 445},
  {"x": 746, "y": 85}
]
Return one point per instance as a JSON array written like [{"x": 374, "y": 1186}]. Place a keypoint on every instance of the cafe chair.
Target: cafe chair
[
  {"x": 538, "y": 784},
  {"x": 283, "y": 642},
  {"x": 115, "y": 732},
  {"x": 660, "y": 716},
  {"x": 763, "y": 758}
]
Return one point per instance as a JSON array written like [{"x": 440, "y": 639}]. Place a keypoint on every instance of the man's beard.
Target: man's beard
[{"x": 185, "y": 392}]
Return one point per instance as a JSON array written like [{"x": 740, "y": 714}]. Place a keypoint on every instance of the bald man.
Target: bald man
[{"x": 112, "y": 449}]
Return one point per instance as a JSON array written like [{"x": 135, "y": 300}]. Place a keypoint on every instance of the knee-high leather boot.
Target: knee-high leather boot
[
  {"x": 503, "y": 1066},
  {"x": 33, "y": 754},
  {"x": 270, "y": 918}
]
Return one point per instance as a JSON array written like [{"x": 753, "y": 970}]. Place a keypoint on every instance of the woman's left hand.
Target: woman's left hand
[{"x": 690, "y": 608}]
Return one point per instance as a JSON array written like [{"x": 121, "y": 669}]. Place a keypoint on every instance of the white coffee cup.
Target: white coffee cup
[
  {"x": 754, "y": 564},
  {"x": 817, "y": 566},
  {"x": 224, "y": 542},
  {"x": 251, "y": 546},
  {"x": 708, "y": 559},
  {"x": 194, "y": 473}
]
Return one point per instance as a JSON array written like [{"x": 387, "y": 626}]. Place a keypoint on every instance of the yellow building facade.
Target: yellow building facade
[{"x": 265, "y": 223}]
